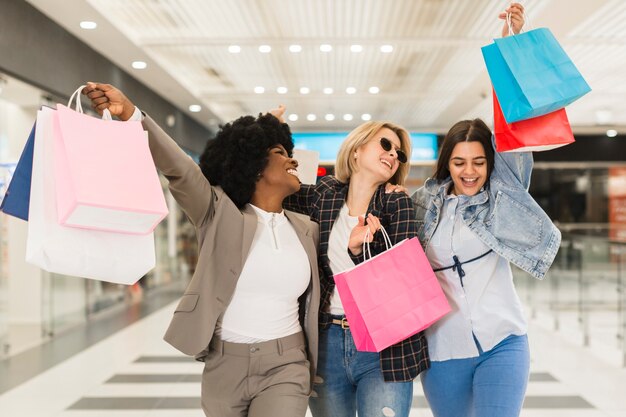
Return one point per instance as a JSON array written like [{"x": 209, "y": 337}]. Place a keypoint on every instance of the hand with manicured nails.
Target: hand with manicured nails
[
  {"x": 516, "y": 11},
  {"x": 105, "y": 96},
  {"x": 357, "y": 236}
]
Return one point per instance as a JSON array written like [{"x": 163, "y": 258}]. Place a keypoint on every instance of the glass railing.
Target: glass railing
[{"x": 583, "y": 297}]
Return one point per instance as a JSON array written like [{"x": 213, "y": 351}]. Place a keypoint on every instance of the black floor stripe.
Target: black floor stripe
[
  {"x": 182, "y": 403},
  {"x": 166, "y": 378},
  {"x": 165, "y": 359},
  {"x": 157, "y": 378}
]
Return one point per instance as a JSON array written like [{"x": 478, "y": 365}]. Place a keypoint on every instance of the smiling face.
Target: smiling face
[
  {"x": 468, "y": 168},
  {"x": 281, "y": 173},
  {"x": 372, "y": 158}
]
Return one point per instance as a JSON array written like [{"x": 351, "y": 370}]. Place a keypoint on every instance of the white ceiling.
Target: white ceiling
[{"x": 434, "y": 76}]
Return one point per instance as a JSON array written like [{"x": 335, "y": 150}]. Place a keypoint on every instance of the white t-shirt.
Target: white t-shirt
[
  {"x": 338, "y": 256},
  {"x": 276, "y": 273}
]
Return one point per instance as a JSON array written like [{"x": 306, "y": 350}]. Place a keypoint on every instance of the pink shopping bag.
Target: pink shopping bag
[
  {"x": 120, "y": 258},
  {"x": 391, "y": 296},
  {"x": 105, "y": 175}
]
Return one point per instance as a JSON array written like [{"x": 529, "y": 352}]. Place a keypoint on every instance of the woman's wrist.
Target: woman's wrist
[{"x": 128, "y": 111}]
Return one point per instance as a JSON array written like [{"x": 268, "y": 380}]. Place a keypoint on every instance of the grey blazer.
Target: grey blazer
[{"x": 225, "y": 235}]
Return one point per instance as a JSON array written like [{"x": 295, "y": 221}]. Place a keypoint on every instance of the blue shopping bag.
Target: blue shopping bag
[
  {"x": 17, "y": 197},
  {"x": 532, "y": 75}
]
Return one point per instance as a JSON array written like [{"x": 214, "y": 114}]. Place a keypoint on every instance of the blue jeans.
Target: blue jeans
[
  {"x": 349, "y": 381},
  {"x": 492, "y": 384}
]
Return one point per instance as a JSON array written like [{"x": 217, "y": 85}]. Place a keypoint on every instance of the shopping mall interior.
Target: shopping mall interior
[{"x": 76, "y": 347}]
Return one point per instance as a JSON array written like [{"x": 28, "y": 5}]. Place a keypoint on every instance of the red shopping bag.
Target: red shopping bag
[
  {"x": 391, "y": 296},
  {"x": 540, "y": 133}
]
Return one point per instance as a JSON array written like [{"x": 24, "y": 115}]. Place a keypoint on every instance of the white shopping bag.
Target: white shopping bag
[
  {"x": 308, "y": 162},
  {"x": 106, "y": 256}
]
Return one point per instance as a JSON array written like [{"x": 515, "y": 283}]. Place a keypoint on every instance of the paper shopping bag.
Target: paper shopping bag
[
  {"x": 16, "y": 199},
  {"x": 308, "y": 163},
  {"x": 532, "y": 75},
  {"x": 540, "y": 133},
  {"x": 391, "y": 296},
  {"x": 106, "y": 256},
  {"x": 106, "y": 178}
]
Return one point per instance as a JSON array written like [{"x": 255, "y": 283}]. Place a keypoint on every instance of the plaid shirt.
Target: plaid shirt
[{"x": 322, "y": 203}]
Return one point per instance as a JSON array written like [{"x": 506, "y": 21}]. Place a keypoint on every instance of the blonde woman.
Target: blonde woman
[{"x": 373, "y": 154}]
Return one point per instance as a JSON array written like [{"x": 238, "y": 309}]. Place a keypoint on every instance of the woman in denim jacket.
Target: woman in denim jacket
[{"x": 475, "y": 217}]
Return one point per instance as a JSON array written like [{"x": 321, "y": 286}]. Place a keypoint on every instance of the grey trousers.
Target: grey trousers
[{"x": 268, "y": 379}]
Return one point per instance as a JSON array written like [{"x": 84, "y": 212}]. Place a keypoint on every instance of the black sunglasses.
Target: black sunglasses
[{"x": 386, "y": 145}]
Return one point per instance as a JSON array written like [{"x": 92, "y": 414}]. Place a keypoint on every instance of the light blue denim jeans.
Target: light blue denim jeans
[
  {"x": 350, "y": 381},
  {"x": 492, "y": 384}
]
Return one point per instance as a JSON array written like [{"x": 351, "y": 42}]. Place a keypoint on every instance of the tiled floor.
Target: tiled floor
[{"x": 134, "y": 373}]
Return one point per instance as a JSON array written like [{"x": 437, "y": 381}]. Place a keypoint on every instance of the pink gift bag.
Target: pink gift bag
[
  {"x": 391, "y": 296},
  {"x": 105, "y": 175}
]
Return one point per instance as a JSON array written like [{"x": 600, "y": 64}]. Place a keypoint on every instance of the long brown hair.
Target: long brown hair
[{"x": 464, "y": 131}]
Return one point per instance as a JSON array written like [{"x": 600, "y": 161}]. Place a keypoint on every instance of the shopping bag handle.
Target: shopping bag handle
[
  {"x": 367, "y": 253},
  {"x": 106, "y": 114},
  {"x": 509, "y": 23}
]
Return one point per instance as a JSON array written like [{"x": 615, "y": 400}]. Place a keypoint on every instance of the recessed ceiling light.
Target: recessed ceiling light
[
  {"x": 356, "y": 48},
  {"x": 139, "y": 65},
  {"x": 295, "y": 48},
  {"x": 386, "y": 49},
  {"x": 347, "y": 117},
  {"x": 293, "y": 117},
  {"x": 326, "y": 48},
  {"x": 195, "y": 108},
  {"x": 86, "y": 24},
  {"x": 234, "y": 49},
  {"x": 259, "y": 90},
  {"x": 281, "y": 90},
  {"x": 330, "y": 117},
  {"x": 366, "y": 117},
  {"x": 611, "y": 133},
  {"x": 311, "y": 117},
  {"x": 374, "y": 90},
  {"x": 264, "y": 49},
  {"x": 328, "y": 90},
  {"x": 350, "y": 90},
  {"x": 304, "y": 90}
]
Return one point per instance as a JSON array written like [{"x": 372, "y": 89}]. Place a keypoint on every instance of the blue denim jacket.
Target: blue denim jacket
[{"x": 503, "y": 215}]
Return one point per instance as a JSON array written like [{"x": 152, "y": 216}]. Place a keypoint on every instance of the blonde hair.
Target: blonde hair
[{"x": 345, "y": 165}]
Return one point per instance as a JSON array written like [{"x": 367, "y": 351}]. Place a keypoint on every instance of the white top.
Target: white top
[
  {"x": 338, "y": 256},
  {"x": 486, "y": 306},
  {"x": 277, "y": 272}
]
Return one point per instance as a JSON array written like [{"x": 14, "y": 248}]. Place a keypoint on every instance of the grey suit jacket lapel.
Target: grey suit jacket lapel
[
  {"x": 303, "y": 233},
  {"x": 250, "y": 220}
]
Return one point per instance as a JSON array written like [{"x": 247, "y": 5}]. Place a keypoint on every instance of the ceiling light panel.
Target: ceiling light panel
[{"x": 436, "y": 56}]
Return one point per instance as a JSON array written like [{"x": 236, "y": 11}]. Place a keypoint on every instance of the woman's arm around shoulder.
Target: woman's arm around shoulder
[
  {"x": 401, "y": 212},
  {"x": 305, "y": 200}
]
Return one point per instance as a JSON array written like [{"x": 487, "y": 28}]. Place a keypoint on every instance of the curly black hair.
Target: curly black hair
[{"x": 239, "y": 153}]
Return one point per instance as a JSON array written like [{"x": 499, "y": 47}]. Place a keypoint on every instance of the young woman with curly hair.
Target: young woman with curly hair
[{"x": 250, "y": 310}]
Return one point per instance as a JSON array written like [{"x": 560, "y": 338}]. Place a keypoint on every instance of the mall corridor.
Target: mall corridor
[{"x": 119, "y": 366}]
